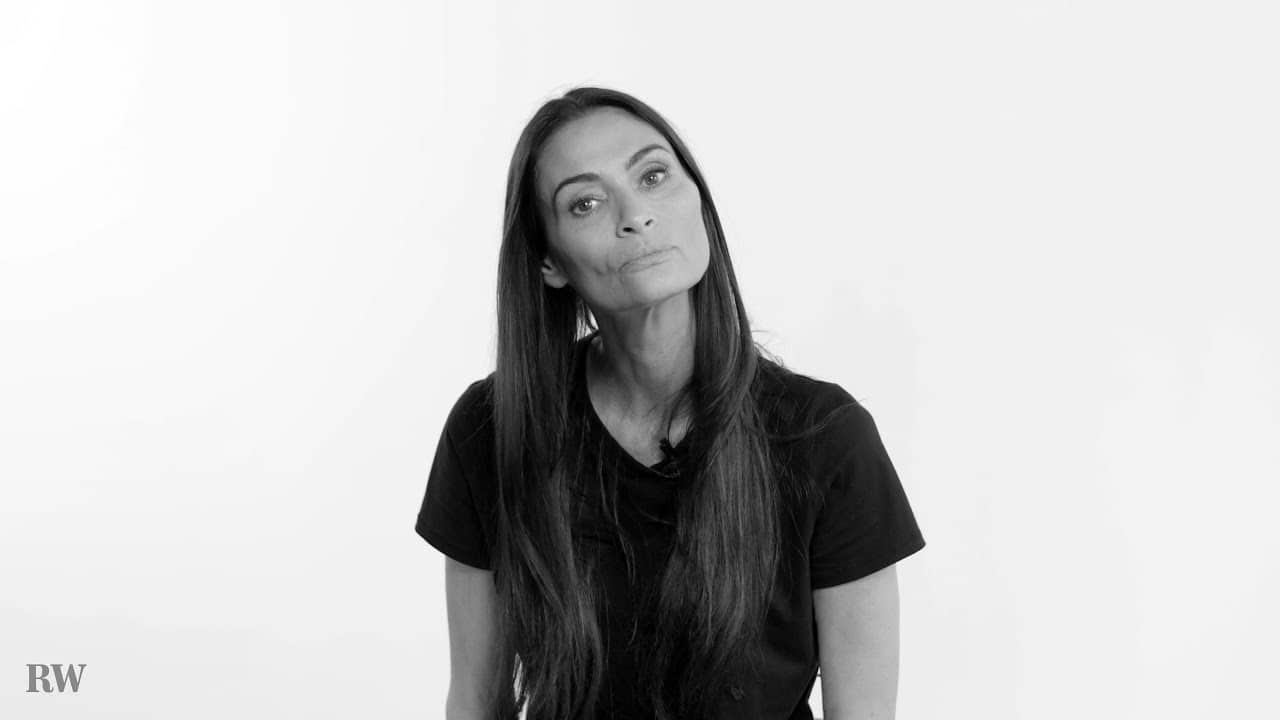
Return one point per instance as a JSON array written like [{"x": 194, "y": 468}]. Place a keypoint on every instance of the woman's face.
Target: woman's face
[{"x": 623, "y": 218}]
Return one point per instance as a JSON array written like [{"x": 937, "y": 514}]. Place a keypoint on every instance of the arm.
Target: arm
[
  {"x": 858, "y": 647},
  {"x": 471, "y": 601}
]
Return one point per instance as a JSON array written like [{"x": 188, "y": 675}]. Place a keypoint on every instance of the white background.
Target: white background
[{"x": 249, "y": 261}]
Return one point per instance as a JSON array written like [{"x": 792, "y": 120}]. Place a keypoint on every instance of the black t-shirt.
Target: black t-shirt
[{"x": 862, "y": 523}]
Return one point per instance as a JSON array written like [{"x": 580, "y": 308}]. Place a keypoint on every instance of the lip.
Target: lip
[{"x": 645, "y": 260}]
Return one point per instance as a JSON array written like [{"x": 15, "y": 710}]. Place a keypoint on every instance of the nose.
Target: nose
[{"x": 635, "y": 218}]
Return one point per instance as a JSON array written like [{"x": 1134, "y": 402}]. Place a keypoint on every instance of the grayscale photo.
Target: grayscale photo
[{"x": 731, "y": 361}]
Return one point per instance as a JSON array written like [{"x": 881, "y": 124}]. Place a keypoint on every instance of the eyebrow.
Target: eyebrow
[{"x": 587, "y": 177}]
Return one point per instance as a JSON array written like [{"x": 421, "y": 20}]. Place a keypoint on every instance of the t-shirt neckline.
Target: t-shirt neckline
[{"x": 667, "y": 468}]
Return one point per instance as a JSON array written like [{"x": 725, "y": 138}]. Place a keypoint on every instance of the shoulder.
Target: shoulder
[
  {"x": 818, "y": 426},
  {"x": 471, "y": 416},
  {"x": 793, "y": 401}
]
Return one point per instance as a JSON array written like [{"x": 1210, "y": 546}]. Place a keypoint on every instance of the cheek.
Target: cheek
[
  {"x": 585, "y": 246},
  {"x": 684, "y": 204},
  {"x": 691, "y": 212}
]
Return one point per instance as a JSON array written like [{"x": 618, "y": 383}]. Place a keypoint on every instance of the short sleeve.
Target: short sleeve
[
  {"x": 450, "y": 516},
  {"x": 865, "y": 522}
]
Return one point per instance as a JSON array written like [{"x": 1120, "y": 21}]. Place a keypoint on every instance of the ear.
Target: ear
[{"x": 552, "y": 275}]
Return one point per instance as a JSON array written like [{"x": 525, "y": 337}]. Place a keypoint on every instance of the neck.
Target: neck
[{"x": 639, "y": 364}]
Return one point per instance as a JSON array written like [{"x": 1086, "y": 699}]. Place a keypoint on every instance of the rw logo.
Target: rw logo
[{"x": 62, "y": 679}]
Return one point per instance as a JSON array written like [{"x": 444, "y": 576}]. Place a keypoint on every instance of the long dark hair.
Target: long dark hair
[{"x": 718, "y": 579}]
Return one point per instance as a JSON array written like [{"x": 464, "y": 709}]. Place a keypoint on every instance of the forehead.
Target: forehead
[{"x": 599, "y": 142}]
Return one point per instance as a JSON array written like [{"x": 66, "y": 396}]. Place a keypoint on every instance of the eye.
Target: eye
[
  {"x": 659, "y": 172},
  {"x": 582, "y": 206}
]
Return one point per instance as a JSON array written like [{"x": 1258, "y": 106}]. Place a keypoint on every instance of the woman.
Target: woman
[{"x": 642, "y": 515}]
